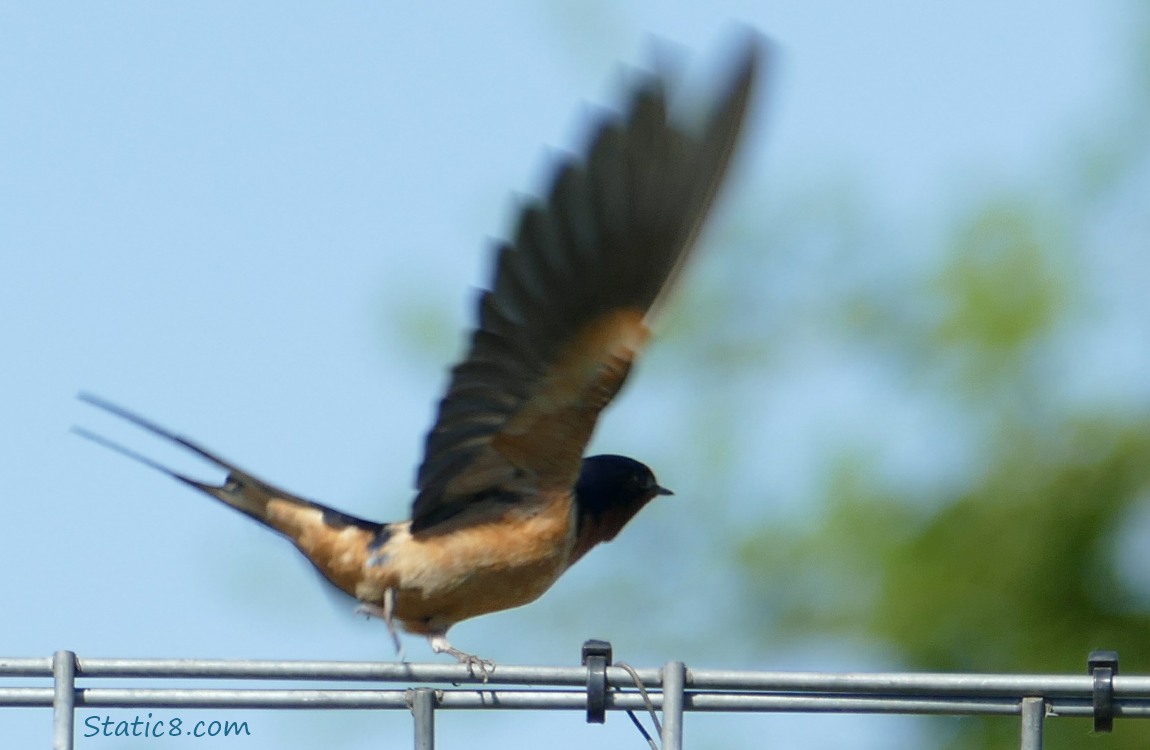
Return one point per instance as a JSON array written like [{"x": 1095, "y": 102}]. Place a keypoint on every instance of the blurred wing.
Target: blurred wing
[{"x": 567, "y": 310}]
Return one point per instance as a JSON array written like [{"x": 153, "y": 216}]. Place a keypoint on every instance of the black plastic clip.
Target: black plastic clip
[
  {"x": 596, "y": 656},
  {"x": 1103, "y": 666}
]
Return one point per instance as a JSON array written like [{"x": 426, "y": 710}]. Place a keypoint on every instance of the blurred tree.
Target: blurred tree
[{"x": 1030, "y": 553}]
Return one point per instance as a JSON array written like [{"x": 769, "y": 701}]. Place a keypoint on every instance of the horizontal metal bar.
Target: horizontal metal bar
[
  {"x": 317, "y": 699},
  {"x": 23, "y": 667},
  {"x": 467, "y": 699},
  {"x": 324, "y": 670},
  {"x": 916, "y": 683},
  {"x": 15, "y": 697},
  {"x": 563, "y": 688},
  {"x": 889, "y": 683}
]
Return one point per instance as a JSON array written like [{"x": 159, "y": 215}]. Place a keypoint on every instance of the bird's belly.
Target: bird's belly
[{"x": 441, "y": 579}]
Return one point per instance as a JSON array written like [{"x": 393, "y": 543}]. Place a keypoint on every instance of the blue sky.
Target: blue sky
[{"x": 232, "y": 217}]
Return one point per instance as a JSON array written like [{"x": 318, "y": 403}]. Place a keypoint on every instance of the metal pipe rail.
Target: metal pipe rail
[{"x": 1101, "y": 693}]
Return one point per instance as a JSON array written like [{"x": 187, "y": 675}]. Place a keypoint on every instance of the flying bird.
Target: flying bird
[{"x": 505, "y": 500}]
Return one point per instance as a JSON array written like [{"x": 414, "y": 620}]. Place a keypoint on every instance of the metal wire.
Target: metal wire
[
  {"x": 674, "y": 689},
  {"x": 647, "y": 701}
]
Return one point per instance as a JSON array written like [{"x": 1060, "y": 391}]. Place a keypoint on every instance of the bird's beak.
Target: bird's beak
[{"x": 663, "y": 491}]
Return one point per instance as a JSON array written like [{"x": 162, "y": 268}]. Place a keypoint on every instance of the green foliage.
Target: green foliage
[
  {"x": 1013, "y": 567},
  {"x": 1014, "y": 562},
  {"x": 1017, "y": 574},
  {"x": 1001, "y": 285}
]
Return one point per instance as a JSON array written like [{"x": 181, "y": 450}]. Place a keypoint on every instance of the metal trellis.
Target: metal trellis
[{"x": 596, "y": 687}]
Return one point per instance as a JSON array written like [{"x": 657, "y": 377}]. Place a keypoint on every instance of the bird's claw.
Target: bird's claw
[
  {"x": 440, "y": 645},
  {"x": 486, "y": 666}
]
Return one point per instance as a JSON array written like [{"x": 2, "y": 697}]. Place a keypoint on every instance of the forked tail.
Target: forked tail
[
  {"x": 336, "y": 543},
  {"x": 275, "y": 508}
]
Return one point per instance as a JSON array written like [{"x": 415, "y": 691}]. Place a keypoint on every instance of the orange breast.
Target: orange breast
[{"x": 470, "y": 568}]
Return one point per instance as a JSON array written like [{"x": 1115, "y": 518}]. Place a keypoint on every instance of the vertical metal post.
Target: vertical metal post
[
  {"x": 674, "y": 680},
  {"x": 423, "y": 710},
  {"x": 1033, "y": 712},
  {"x": 64, "y": 699}
]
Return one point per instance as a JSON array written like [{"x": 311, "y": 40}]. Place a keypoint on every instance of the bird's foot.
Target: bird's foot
[
  {"x": 385, "y": 613},
  {"x": 440, "y": 645}
]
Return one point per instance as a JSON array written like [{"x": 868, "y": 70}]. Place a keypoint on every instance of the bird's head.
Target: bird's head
[{"x": 608, "y": 494}]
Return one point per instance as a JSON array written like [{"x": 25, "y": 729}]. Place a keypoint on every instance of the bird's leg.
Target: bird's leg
[
  {"x": 387, "y": 614},
  {"x": 440, "y": 645}
]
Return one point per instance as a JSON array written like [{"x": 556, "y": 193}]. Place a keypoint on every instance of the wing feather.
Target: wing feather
[{"x": 572, "y": 295}]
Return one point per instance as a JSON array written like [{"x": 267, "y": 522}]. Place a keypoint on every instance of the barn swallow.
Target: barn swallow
[{"x": 505, "y": 500}]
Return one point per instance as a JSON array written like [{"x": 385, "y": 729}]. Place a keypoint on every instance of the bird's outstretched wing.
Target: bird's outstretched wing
[{"x": 568, "y": 308}]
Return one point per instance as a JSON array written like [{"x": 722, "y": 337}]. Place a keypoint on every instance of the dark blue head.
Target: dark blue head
[
  {"x": 607, "y": 482},
  {"x": 609, "y": 492}
]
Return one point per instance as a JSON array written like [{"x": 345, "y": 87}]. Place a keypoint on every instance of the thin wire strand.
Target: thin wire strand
[{"x": 647, "y": 701}]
